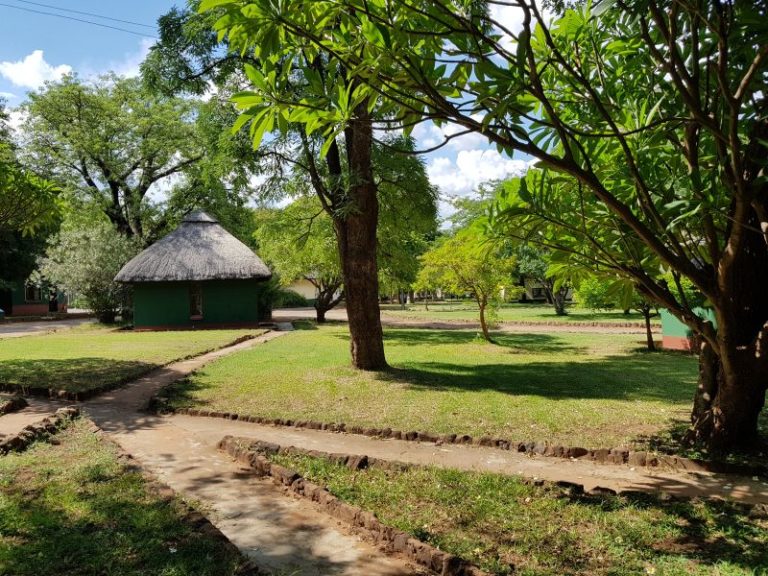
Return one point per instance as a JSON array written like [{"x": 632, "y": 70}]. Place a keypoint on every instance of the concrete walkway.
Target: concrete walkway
[
  {"x": 17, "y": 329},
  {"x": 291, "y": 537},
  {"x": 590, "y": 474},
  {"x": 278, "y": 532},
  {"x": 13, "y": 423}
]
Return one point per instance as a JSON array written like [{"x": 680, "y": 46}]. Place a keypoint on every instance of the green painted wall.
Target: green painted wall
[
  {"x": 160, "y": 304},
  {"x": 671, "y": 326},
  {"x": 224, "y": 302},
  {"x": 232, "y": 301}
]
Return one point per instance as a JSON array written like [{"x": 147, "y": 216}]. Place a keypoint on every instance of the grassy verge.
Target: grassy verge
[
  {"x": 92, "y": 357},
  {"x": 592, "y": 390},
  {"x": 75, "y": 509},
  {"x": 465, "y": 310},
  {"x": 508, "y": 527}
]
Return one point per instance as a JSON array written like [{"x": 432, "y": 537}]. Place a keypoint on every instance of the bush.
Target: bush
[
  {"x": 85, "y": 260},
  {"x": 289, "y": 299},
  {"x": 593, "y": 293}
]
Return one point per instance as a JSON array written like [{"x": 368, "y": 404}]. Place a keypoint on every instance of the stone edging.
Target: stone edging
[
  {"x": 88, "y": 394},
  {"x": 13, "y": 404},
  {"x": 388, "y": 538},
  {"x": 39, "y": 430},
  {"x": 611, "y": 456}
]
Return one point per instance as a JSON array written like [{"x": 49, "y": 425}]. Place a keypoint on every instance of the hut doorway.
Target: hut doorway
[{"x": 195, "y": 301}]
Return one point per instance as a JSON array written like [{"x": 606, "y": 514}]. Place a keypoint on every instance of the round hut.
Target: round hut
[{"x": 197, "y": 276}]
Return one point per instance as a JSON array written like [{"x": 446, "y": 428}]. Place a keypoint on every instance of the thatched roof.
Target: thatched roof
[{"x": 199, "y": 249}]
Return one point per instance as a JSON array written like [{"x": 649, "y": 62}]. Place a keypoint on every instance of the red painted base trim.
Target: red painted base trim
[
  {"x": 210, "y": 326},
  {"x": 676, "y": 343}
]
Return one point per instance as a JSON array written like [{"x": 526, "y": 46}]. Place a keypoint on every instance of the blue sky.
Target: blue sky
[
  {"x": 36, "y": 47},
  {"x": 85, "y": 48}
]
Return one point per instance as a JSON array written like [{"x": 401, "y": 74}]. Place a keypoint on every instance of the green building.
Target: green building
[
  {"x": 675, "y": 334},
  {"x": 198, "y": 276}
]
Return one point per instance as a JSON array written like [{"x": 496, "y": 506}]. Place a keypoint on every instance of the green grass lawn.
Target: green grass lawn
[
  {"x": 466, "y": 310},
  {"x": 594, "y": 390},
  {"x": 499, "y": 523},
  {"x": 76, "y": 509},
  {"x": 92, "y": 356}
]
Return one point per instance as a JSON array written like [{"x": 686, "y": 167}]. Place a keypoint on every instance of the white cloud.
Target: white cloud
[
  {"x": 8, "y": 95},
  {"x": 129, "y": 66},
  {"x": 16, "y": 120},
  {"x": 32, "y": 71},
  {"x": 428, "y": 135},
  {"x": 470, "y": 169}
]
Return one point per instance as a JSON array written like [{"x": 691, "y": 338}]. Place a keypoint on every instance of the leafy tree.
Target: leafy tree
[
  {"x": 112, "y": 141},
  {"x": 654, "y": 111},
  {"x": 533, "y": 263},
  {"x": 595, "y": 294},
  {"x": 299, "y": 242},
  {"x": 27, "y": 202},
  {"x": 467, "y": 262},
  {"x": 84, "y": 258}
]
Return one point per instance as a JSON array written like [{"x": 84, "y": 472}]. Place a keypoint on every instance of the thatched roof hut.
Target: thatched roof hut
[
  {"x": 198, "y": 250},
  {"x": 199, "y": 274}
]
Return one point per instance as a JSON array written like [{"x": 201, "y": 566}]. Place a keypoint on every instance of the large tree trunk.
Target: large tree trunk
[
  {"x": 356, "y": 231},
  {"x": 733, "y": 369},
  {"x": 727, "y": 403}
]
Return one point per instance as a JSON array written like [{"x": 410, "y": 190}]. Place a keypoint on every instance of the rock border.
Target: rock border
[
  {"x": 13, "y": 404},
  {"x": 39, "y": 430},
  {"x": 68, "y": 396},
  {"x": 251, "y": 453},
  {"x": 610, "y": 456},
  {"x": 389, "y": 539}
]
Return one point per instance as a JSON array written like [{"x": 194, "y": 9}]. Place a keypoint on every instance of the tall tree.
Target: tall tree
[
  {"x": 27, "y": 201},
  {"x": 112, "y": 141},
  {"x": 468, "y": 263},
  {"x": 656, "y": 110},
  {"x": 299, "y": 242}
]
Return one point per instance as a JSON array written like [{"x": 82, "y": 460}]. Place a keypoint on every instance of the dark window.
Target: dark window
[
  {"x": 33, "y": 293},
  {"x": 195, "y": 301},
  {"x": 538, "y": 292}
]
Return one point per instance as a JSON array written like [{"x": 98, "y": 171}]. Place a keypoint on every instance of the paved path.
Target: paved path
[
  {"x": 277, "y": 531},
  {"x": 292, "y": 537},
  {"x": 14, "y": 422},
  {"x": 340, "y": 315},
  {"x": 591, "y": 474},
  {"x": 17, "y": 329}
]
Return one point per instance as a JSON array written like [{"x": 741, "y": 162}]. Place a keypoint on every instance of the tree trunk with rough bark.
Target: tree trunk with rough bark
[
  {"x": 356, "y": 233},
  {"x": 733, "y": 369},
  {"x": 646, "y": 310}
]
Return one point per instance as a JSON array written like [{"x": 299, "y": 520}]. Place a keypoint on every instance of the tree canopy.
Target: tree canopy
[{"x": 648, "y": 119}]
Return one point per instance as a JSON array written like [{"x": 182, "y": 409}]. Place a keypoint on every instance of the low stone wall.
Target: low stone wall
[
  {"x": 387, "y": 538},
  {"x": 614, "y": 456},
  {"x": 13, "y": 405},
  {"x": 39, "y": 430}
]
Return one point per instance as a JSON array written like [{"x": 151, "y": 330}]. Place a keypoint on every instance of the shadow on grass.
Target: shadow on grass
[
  {"x": 515, "y": 343},
  {"x": 723, "y": 532},
  {"x": 615, "y": 378},
  {"x": 115, "y": 525},
  {"x": 73, "y": 375}
]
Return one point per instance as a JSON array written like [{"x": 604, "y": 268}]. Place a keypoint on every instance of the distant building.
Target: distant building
[
  {"x": 198, "y": 276},
  {"x": 28, "y": 298}
]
